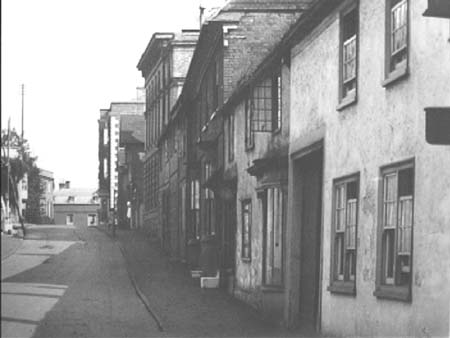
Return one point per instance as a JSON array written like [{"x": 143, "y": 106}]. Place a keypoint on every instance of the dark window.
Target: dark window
[
  {"x": 246, "y": 229},
  {"x": 249, "y": 135},
  {"x": 345, "y": 224},
  {"x": 261, "y": 106},
  {"x": 209, "y": 211},
  {"x": 395, "y": 248},
  {"x": 195, "y": 209}
]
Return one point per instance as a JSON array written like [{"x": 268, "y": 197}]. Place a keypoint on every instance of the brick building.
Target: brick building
[
  {"x": 131, "y": 152},
  {"x": 46, "y": 202},
  {"x": 76, "y": 206},
  {"x": 164, "y": 65},
  {"x": 109, "y": 139},
  {"x": 222, "y": 77}
]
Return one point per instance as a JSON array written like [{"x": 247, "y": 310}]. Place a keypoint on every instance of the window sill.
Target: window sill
[
  {"x": 344, "y": 288},
  {"x": 395, "y": 76},
  {"x": 272, "y": 289},
  {"x": 400, "y": 293},
  {"x": 346, "y": 101},
  {"x": 246, "y": 259}
]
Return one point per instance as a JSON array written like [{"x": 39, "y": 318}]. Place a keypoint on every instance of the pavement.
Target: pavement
[
  {"x": 182, "y": 307},
  {"x": 70, "y": 282},
  {"x": 73, "y": 281},
  {"x": 10, "y": 244}
]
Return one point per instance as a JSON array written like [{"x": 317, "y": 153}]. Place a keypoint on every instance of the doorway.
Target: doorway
[{"x": 309, "y": 177}]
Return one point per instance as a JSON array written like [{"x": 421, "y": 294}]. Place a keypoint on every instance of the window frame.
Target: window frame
[
  {"x": 351, "y": 97},
  {"x": 71, "y": 217},
  {"x": 401, "y": 71},
  {"x": 277, "y": 99},
  {"x": 393, "y": 291},
  {"x": 245, "y": 202},
  {"x": 346, "y": 285}
]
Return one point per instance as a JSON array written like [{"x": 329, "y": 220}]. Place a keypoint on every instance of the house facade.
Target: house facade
[
  {"x": 164, "y": 65},
  {"x": 366, "y": 228},
  {"x": 109, "y": 139},
  {"x": 46, "y": 201},
  {"x": 75, "y": 206},
  {"x": 235, "y": 132},
  {"x": 131, "y": 152}
]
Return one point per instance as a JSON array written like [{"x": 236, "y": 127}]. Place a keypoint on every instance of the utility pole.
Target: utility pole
[
  {"x": 7, "y": 223},
  {"x": 202, "y": 10},
  {"x": 23, "y": 95}
]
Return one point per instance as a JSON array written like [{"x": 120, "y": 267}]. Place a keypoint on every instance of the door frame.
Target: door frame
[{"x": 293, "y": 239}]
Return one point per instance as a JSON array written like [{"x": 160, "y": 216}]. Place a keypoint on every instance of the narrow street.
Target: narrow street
[
  {"x": 74, "y": 281},
  {"x": 70, "y": 282}
]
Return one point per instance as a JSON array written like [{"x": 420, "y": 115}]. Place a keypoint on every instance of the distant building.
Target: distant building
[
  {"x": 74, "y": 206},
  {"x": 164, "y": 65},
  {"x": 131, "y": 152},
  {"x": 46, "y": 201},
  {"x": 109, "y": 129}
]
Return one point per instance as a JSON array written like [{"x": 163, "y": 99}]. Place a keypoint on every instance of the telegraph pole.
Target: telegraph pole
[
  {"x": 7, "y": 172},
  {"x": 23, "y": 95}
]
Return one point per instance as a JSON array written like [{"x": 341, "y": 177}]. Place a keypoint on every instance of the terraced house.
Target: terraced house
[
  {"x": 231, "y": 45},
  {"x": 164, "y": 65},
  {"x": 295, "y": 170},
  {"x": 367, "y": 249}
]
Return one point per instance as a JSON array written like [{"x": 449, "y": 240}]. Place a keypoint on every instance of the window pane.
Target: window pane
[
  {"x": 351, "y": 223},
  {"x": 388, "y": 256},
  {"x": 390, "y": 200},
  {"x": 340, "y": 207},
  {"x": 339, "y": 254},
  {"x": 405, "y": 224}
]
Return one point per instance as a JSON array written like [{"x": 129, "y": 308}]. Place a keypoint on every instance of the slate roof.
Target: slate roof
[{"x": 75, "y": 196}]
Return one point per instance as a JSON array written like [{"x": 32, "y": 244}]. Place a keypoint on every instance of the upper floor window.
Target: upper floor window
[
  {"x": 394, "y": 261},
  {"x": 249, "y": 135},
  {"x": 397, "y": 31},
  {"x": 348, "y": 48},
  {"x": 266, "y": 104},
  {"x": 277, "y": 104},
  {"x": 345, "y": 222}
]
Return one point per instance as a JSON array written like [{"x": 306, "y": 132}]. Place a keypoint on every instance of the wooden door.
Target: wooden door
[{"x": 310, "y": 223}]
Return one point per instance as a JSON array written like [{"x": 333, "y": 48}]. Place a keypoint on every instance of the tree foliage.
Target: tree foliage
[{"x": 20, "y": 163}]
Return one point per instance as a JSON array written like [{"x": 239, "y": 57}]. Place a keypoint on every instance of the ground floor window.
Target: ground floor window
[
  {"x": 69, "y": 219},
  {"x": 344, "y": 231},
  {"x": 273, "y": 224},
  {"x": 92, "y": 219},
  {"x": 195, "y": 209},
  {"x": 394, "y": 261},
  {"x": 246, "y": 229}
]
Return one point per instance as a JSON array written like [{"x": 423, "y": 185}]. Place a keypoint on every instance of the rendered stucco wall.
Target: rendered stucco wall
[{"x": 385, "y": 126}]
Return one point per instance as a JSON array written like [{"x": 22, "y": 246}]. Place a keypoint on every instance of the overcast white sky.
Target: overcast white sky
[{"x": 75, "y": 57}]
